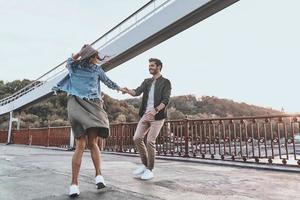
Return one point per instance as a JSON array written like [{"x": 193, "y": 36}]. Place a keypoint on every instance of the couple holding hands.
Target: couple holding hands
[{"x": 89, "y": 120}]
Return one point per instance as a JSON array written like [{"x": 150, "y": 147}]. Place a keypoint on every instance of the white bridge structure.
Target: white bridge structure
[{"x": 153, "y": 23}]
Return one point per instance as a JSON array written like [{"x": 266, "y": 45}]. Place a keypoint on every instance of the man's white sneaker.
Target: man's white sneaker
[
  {"x": 99, "y": 181},
  {"x": 74, "y": 191},
  {"x": 147, "y": 175},
  {"x": 139, "y": 171}
]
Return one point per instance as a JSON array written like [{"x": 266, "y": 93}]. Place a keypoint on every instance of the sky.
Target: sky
[{"x": 247, "y": 52}]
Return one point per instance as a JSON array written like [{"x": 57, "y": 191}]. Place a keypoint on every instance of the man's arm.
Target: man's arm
[
  {"x": 138, "y": 91},
  {"x": 166, "y": 93}
]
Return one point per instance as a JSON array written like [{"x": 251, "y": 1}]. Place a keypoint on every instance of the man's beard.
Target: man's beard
[{"x": 153, "y": 72}]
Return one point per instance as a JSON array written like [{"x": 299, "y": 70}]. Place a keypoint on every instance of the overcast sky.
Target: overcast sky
[{"x": 247, "y": 52}]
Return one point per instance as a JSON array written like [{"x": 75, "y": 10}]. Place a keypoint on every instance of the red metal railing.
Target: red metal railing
[
  {"x": 3, "y": 136},
  {"x": 269, "y": 139},
  {"x": 260, "y": 139},
  {"x": 50, "y": 136}
]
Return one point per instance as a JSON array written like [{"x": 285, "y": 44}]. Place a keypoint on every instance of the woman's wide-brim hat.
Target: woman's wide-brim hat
[{"x": 87, "y": 51}]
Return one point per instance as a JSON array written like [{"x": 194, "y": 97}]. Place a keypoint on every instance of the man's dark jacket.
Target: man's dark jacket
[{"x": 162, "y": 94}]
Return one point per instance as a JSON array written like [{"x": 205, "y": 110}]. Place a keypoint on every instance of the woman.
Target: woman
[{"x": 85, "y": 109}]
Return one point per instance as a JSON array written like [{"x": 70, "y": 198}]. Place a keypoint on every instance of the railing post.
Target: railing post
[
  {"x": 101, "y": 144},
  {"x": 9, "y": 141},
  {"x": 71, "y": 144},
  {"x": 29, "y": 137},
  {"x": 48, "y": 136},
  {"x": 18, "y": 121},
  {"x": 186, "y": 138},
  {"x": 121, "y": 136}
]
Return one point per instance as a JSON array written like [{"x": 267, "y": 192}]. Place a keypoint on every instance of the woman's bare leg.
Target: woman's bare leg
[
  {"x": 94, "y": 148},
  {"x": 77, "y": 157}
]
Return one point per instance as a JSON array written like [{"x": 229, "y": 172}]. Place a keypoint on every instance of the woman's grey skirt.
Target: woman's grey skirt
[{"x": 85, "y": 114}]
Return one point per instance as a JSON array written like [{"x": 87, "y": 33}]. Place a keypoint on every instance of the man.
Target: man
[{"x": 156, "y": 94}]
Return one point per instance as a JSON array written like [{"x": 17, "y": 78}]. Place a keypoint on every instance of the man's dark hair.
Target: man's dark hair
[{"x": 157, "y": 62}]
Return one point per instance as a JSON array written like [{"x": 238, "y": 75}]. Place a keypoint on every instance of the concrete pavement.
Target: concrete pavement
[{"x": 31, "y": 173}]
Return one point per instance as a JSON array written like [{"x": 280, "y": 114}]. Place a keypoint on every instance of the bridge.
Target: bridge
[
  {"x": 257, "y": 137},
  {"x": 204, "y": 152}
]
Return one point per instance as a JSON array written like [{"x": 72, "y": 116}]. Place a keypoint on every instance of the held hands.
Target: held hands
[{"x": 124, "y": 90}]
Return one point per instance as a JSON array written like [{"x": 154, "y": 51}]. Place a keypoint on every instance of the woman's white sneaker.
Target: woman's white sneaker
[
  {"x": 74, "y": 191},
  {"x": 147, "y": 175},
  {"x": 139, "y": 171},
  {"x": 99, "y": 181}
]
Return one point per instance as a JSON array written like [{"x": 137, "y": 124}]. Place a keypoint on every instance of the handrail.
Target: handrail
[
  {"x": 122, "y": 22},
  {"x": 221, "y": 118}
]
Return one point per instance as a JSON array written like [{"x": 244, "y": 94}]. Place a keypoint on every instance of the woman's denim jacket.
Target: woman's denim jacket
[{"x": 84, "y": 82}]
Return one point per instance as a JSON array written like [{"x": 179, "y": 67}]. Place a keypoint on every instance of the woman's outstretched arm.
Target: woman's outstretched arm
[{"x": 109, "y": 83}]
